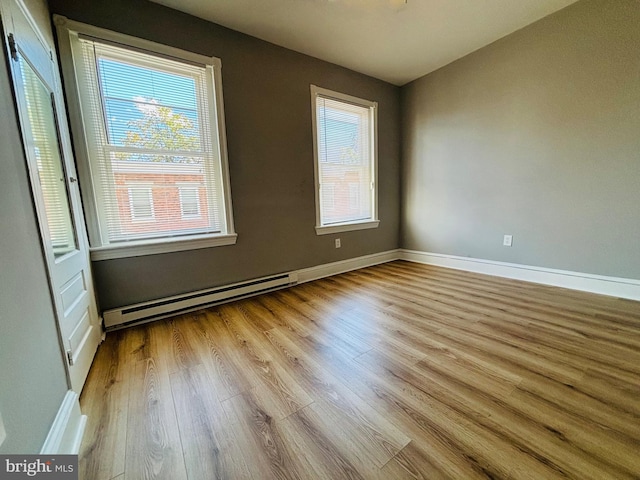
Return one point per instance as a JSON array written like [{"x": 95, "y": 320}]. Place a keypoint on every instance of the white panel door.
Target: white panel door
[{"x": 54, "y": 188}]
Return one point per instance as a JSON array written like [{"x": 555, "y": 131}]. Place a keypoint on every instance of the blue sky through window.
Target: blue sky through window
[
  {"x": 338, "y": 137},
  {"x": 127, "y": 87}
]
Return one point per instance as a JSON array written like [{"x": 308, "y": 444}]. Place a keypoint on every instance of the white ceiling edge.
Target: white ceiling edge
[{"x": 385, "y": 39}]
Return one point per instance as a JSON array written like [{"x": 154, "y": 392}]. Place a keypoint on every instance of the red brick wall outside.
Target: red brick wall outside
[{"x": 166, "y": 201}]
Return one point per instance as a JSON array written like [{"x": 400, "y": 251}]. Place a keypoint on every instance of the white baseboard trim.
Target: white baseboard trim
[
  {"x": 612, "y": 286},
  {"x": 328, "y": 269},
  {"x": 65, "y": 435}
]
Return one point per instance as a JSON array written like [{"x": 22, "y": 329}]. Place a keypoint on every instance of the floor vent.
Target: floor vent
[{"x": 154, "y": 310}]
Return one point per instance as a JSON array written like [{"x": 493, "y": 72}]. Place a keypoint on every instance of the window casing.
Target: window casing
[
  {"x": 151, "y": 115},
  {"x": 345, "y": 158}
]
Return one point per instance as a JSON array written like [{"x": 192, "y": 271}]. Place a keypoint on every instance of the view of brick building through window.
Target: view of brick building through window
[
  {"x": 160, "y": 196},
  {"x": 161, "y": 192}
]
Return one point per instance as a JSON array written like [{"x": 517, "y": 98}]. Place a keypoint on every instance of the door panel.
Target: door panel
[
  {"x": 55, "y": 191},
  {"x": 79, "y": 334},
  {"x": 73, "y": 292}
]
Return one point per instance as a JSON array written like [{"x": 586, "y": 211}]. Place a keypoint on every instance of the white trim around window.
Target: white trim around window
[
  {"x": 106, "y": 156},
  {"x": 345, "y": 153}
]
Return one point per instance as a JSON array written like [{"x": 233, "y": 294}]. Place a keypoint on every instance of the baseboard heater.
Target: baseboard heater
[{"x": 154, "y": 310}]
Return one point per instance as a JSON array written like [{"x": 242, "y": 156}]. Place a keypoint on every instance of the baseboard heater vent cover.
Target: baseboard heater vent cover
[{"x": 154, "y": 310}]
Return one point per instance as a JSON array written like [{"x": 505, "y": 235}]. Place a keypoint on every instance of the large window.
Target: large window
[
  {"x": 151, "y": 123},
  {"x": 345, "y": 153}
]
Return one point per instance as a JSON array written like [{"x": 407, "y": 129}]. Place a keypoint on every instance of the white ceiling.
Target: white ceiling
[{"x": 386, "y": 39}]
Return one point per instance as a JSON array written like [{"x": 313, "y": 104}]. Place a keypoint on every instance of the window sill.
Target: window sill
[
  {"x": 346, "y": 227},
  {"x": 153, "y": 247}
]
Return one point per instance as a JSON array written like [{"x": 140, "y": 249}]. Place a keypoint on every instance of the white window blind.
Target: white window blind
[
  {"x": 43, "y": 142},
  {"x": 152, "y": 122},
  {"x": 345, "y": 158}
]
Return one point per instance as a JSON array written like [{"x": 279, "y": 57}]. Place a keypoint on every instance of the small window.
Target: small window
[
  {"x": 189, "y": 202},
  {"x": 141, "y": 203},
  {"x": 345, "y": 154},
  {"x": 150, "y": 114}
]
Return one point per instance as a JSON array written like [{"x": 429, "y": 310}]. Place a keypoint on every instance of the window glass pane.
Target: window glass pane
[
  {"x": 148, "y": 108},
  {"x": 344, "y": 161},
  {"x": 163, "y": 182},
  {"x": 44, "y": 145},
  {"x": 166, "y": 87}
]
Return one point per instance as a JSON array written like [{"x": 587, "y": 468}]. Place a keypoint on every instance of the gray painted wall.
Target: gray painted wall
[
  {"x": 268, "y": 118},
  {"x": 536, "y": 135},
  {"x": 32, "y": 376}
]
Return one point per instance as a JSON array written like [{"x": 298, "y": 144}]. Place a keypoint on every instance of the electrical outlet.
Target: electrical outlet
[
  {"x": 508, "y": 240},
  {"x": 338, "y": 244}
]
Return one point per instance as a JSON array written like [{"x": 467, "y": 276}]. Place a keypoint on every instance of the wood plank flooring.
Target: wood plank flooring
[{"x": 391, "y": 372}]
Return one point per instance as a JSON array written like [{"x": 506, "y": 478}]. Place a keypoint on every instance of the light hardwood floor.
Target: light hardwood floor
[{"x": 390, "y": 372}]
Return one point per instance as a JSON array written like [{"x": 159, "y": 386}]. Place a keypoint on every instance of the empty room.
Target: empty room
[{"x": 320, "y": 239}]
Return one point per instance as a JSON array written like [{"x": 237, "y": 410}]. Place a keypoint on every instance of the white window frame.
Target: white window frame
[
  {"x": 373, "y": 222},
  {"x": 68, "y": 34}
]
